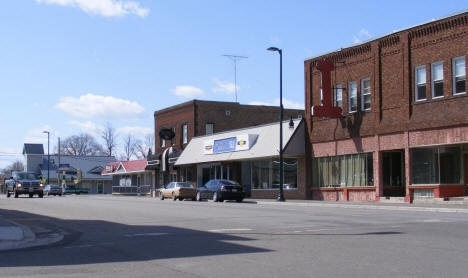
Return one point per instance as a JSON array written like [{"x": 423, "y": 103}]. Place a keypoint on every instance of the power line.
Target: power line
[{"x": 234, "y": 58}]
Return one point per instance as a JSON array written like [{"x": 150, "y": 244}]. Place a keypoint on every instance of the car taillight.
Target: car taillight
[{"x": 223, "y": 188}]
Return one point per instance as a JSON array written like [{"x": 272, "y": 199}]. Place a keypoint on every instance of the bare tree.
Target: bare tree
[
  {"x": 82, "y": 144},
  {"x": 109, "y": 136},
  {"x": 143, "y": 147},
  {"x": 130, "y": 146},
  {"x": 17, "y": 165}
]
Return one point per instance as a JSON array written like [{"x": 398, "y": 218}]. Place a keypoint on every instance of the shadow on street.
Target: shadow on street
[{"x": 95, "y": 241}]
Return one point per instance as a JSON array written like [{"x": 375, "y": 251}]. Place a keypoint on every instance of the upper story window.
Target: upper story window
[
  {"x": 437, "y": 79},
  {"x": 209, "y": 129},
  {"x": 352, "y": 96},
  {"x": 338, "y": 97},
  {"x": 173, "y": 138},
  {"x": 459, "y": 75},
  {"x": 184, "y": 134},
  {"x": 162, "y": 142},
  {"x": 365, "y": 94},
  {"x": 420, "y": 83}
]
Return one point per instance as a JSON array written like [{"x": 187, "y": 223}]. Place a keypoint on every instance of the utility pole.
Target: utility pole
[{"x": 234, "y": 58}]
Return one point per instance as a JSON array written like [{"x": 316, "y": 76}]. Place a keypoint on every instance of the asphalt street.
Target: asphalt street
[{"x": 108, "y": 236}]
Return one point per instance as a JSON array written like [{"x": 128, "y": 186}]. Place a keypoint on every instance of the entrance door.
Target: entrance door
[
  {"x": 393, "y": 170},
  {"x": 100, "y": 187}
]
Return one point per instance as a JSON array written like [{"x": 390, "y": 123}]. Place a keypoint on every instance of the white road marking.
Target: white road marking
[
  {"x": 431, "y": 220},
  {"x": 227, "y": 230},
  {"x": 147, "y": 234}
]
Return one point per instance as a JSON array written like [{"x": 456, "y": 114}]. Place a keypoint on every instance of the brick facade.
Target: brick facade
[{"x": 396, "y": 121}]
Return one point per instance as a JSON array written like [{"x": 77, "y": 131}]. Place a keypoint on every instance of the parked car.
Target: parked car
[
  {"x": 220, "y": 190},
  {"x": 24, "y": 183},
  {"x": 178, "y": 190},
  {"x": 53, "y": 189}
]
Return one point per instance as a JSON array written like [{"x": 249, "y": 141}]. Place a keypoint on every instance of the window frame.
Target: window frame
[
  {"x": 433, "y": 65},
  {"x": 350, "y": 97},
  {"x": 416, "y": 84},
  {"x": 363, "y": 94},
  {"x": 454, "y": 76},
  {"x": 184, "y": 134},
  {"x": 206, "y": 128},
  {"x": 338, "y": 87}
]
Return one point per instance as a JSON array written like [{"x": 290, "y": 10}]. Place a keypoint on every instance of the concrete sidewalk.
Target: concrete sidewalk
[
  {"x": 14, "y": 235},
  {"x": 447, "y": 206}
]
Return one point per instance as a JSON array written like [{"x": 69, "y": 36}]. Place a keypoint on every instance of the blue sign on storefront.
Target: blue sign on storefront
[{"x": 225, "y": 145}]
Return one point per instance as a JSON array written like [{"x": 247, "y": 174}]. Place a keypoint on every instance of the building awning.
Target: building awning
[{"x": 244, "y": 144}]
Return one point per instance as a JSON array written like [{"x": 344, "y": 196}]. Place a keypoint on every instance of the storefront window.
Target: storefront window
[
  {"x": 354, "y": 170},
  {"x": 266, "y": 174},
  {"x": 437, "y": 165}
]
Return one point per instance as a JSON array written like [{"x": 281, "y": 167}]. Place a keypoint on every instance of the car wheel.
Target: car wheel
[
  {"x": 198, "y": 197},
  {"x": 8, "y": 194},
  {"x": 31, "y": 195},
  {"x": 239, "y": 200},
  {"x": 161, "y": 196},
  {"x": 41, "y": 195},
  {"x": 60, "y": 194},
  {"x": 16, "y": 194},
  {"x": 174, "y": 197},
  {"x": 215, "y": 197},
  {"x": 181, "y": 199}
]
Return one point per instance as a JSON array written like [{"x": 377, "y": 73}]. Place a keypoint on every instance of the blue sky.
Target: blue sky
[{"x": 70, "y": 66}]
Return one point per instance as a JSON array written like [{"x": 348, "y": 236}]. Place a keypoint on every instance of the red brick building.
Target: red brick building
[
  {"x": 404, "y": 127},
  {"x": 197, "y": 118}
]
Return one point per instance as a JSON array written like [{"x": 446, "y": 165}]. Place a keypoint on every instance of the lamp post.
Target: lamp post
[
  {"x": 280, "y": 194},
  {"x": 48, "y": 155}
]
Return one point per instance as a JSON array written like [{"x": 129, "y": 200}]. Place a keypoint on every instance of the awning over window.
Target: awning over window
[{"x": 248, "y": 143}]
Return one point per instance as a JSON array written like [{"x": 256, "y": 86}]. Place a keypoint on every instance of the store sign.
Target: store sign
[
  {"x": 240, "y": 142},
  {"x": 327, "y": 110}
]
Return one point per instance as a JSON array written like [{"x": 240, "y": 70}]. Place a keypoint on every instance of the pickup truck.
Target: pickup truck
[{"x": 24, "y": 183}]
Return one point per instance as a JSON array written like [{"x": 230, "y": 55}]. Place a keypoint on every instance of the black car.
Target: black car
[
  {"x": 24, "y": 183},
  {"x": 220, "y": 190}
]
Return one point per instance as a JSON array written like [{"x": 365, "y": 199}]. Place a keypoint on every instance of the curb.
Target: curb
[{"x": 371, "y": 207}]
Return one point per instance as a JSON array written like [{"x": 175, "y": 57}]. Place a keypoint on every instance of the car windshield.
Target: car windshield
[
  {"x": 25, "y": 176},
  {"x": 55, "y": 186},
  {"x": 184, "y": 184},
  {"x": 226, "y": 182}
]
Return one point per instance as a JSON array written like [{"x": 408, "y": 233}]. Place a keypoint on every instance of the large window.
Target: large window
[
  {"x": 266, "y": 174},
  {"x": 365, "y": 94},
  {"x": 459, "y": 75},
  {"x": 355, "y": 170},
  {"x": 173, "y": 138},
  {"x": 437, "y": 165},
  {"x": 162, "y": 142},
  {"x": 352, "y": 96},
  {"x": 338, "y": 96},
  {"x": 420, "y": 83},
  {"x": 437, "y": 79}
]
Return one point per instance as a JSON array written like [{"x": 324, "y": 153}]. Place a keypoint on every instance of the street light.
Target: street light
[
  {"x": 280, "y": 194},
  {"x": 48, "y": 155}
]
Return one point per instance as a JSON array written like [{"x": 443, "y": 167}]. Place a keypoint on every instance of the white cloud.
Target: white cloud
[
  {"x": 361, "y": 36},
  {"x": 286, "y": 103},
  {"x": 138, "y": 131},
  {"x": 90, "y": 106},
  {"x": 88, "y": 127},
  {"x": 107, "y": 8},
  {"x": 188, "y": 92},
  {"x": 224, "y": 87}
]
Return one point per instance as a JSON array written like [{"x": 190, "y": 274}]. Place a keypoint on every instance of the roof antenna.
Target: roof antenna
[{"x": 234, "y": 58}]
